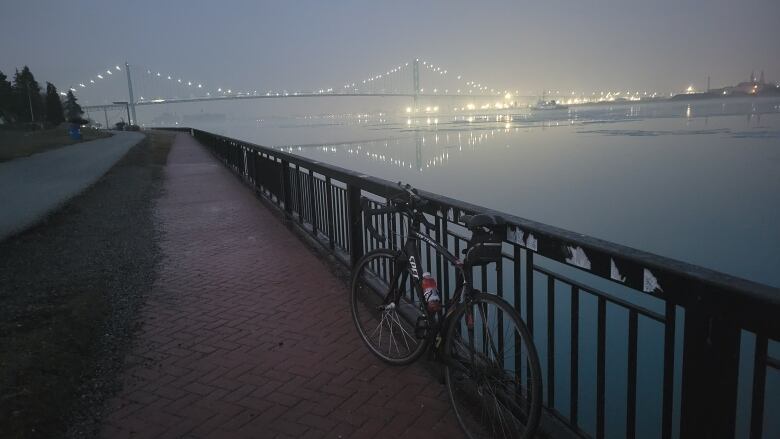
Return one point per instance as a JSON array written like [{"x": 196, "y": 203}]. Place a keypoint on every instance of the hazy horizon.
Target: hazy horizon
[{"x": 663, "y": 45}]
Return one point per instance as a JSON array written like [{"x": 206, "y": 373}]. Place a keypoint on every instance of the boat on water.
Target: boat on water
[{"x": 548, "y": 105}]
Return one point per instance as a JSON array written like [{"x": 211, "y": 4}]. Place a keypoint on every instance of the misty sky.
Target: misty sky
[{"x": 574, "y": 45}]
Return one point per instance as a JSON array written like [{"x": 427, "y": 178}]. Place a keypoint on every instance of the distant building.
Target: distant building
[{"x": 752, "y": 87}]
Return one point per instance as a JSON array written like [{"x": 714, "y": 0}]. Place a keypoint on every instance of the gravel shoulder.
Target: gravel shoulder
[{"x": 70, "y": 289}]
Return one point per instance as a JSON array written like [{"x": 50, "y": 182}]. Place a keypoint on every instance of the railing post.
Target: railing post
[
  {"x": 312, "y": 204},
  {"x": 287, "y": 195},
  {"x": 709, "y": 375},
  {"x": 330, "y": 216},
  {"x": 355, "y": 224}
]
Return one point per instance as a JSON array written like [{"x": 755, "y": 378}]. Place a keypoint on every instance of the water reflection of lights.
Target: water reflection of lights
[{"x": 367, "y": 150}]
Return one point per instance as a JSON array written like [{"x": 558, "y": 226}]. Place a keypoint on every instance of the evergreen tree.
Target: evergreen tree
[
  {"x": 27, "y": 105},
  {"x": 73, "y": 110},
  {"x": 55, "y": 115},
  {"x": 6, "y": 96}
]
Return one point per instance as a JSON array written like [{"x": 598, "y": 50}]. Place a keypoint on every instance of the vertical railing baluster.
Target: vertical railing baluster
[
  {"x": 529, "y": 298},
  {"x": 529, "y": 290},
  {"x": 286, "y": 188},
  {"x": 550, "y": 342},
  {"x": 516, "y": 287},
  {"x": 437, "y": 225},
  {"x": 383, "y": 229},
  {"x": 312, "y": 204},
  {"x": 428, "y": 265},
  {"x": 355, "y": 229},
  {"x": 668, "y": 389},
  {"x": 574, "y": 391},
  {"x": 631, "y": 385},
  {"x": 339, "y": 216},
  {"x": 402, "y": 223},
  {"x": 600, "y": 366},
  {"x": 707, "y": 341},
  {"x": 445, "y": 240},
  {"x": 342, "y": 216},
  {"x": 500, "y": 313},
  {"x": 759, "y": 386},
  {"x": 299, "y": 190},
  {"x": 329, "y": 196}
]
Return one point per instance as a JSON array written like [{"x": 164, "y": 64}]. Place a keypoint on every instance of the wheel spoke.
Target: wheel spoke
[
  {"x": 376, "y": 304},
  {"x": 489, "y": 397}
]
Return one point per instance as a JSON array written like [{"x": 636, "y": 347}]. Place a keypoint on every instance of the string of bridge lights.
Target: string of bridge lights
[
  {"x": 109, "y": 73},
  {"x": 177, "y": 80},
  {"x": 355, "y": 87},
  {"x": 92, "y": 81},
  {"x": 470, "y": 86},
  {"x": 465, "y": 87}
]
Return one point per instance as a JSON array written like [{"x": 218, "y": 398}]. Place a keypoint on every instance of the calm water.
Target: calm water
[{"x": 692, "y": 181}]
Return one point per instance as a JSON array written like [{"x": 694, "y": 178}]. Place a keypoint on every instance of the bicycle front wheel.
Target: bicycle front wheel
[
  {"x": 492, "y": 370},
  {"x": 388, "y": 318}
]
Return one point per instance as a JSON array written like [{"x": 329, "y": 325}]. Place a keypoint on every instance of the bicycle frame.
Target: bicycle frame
[{"x": 410, "y": 258}]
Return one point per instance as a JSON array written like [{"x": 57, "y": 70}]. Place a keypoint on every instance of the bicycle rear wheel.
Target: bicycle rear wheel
[
  {"x": 385, "y": 311},
  {"x": 492, "y": 370}
]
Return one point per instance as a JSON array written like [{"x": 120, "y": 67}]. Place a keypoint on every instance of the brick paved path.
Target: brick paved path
[{"x": 248, "y": 334}]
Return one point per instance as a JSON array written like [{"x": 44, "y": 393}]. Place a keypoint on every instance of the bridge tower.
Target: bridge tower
[
  {"x": 131, "y": 99},
  {"x": 416, "y": 80}
]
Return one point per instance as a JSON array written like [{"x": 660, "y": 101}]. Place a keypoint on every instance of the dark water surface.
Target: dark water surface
[{"x": 695, "y": 181}]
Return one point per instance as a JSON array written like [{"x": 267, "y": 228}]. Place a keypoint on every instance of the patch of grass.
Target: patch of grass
[
  {"x": 20, "y": 143},
  {"x": 69, "y": 292}
]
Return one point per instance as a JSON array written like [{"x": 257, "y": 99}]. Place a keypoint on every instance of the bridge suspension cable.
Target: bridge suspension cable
[{"x": 159, "y": 86}]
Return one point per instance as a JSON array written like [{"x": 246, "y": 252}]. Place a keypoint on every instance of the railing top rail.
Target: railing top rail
[{"x": 680, "y": 281}]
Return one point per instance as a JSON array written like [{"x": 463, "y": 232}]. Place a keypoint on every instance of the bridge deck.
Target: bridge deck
[{"x": 248, "y": 333}]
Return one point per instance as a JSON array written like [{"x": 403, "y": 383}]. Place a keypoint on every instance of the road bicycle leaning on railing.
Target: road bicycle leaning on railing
[{"x": 491, "y": 367}]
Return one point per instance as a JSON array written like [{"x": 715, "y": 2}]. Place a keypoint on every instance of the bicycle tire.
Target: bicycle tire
[
  {"x": 369, "y": 291},
  {"x": 489, "y": 400}
]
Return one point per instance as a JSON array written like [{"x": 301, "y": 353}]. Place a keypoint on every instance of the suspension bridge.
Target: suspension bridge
[{"x": 417, "y": 79}]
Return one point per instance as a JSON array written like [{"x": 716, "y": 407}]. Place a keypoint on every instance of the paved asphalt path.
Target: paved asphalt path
[{"x": 32, "y": 187}]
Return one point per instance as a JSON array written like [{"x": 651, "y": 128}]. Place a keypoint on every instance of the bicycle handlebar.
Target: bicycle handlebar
[{"x": 409, "y": 206}]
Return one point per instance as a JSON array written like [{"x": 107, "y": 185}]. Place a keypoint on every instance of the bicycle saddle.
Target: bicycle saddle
[{"x": 482, "y": 220}]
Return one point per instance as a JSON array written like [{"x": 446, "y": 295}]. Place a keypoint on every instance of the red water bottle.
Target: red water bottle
[{"x": 431, "y": 293}]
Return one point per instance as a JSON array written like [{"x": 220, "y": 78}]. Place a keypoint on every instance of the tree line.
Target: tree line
[{"x": 24, "y": 103}]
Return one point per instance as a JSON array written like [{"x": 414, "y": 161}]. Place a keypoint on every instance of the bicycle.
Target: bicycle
[{"x": 491, "y": 367}]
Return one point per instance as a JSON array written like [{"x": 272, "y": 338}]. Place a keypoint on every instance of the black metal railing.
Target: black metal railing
[{"x": 630, "y": 342}]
